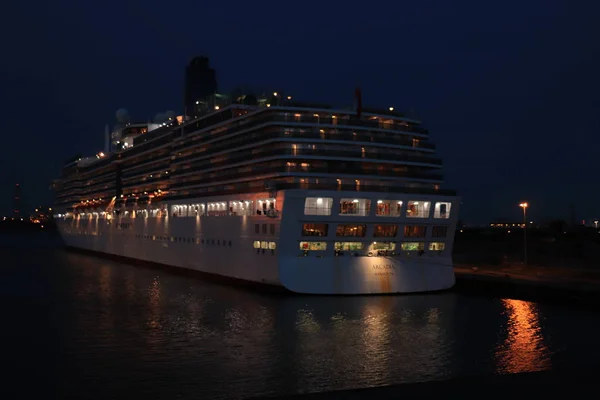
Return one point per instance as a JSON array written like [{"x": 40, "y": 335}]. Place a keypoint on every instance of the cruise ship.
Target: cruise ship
[{"x": 268, "y": 190}]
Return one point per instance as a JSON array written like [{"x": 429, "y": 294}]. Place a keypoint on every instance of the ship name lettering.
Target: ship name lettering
[{"x": 383, "y": 266}]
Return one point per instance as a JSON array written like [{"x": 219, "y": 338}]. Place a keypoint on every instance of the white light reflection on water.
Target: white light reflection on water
[
  {"x": 106, "y": 322},
  {"x": 377, "y": 340},
  {"x": 154, "y": 305},
  {"x": 371, "y": 341},
  {"x": 524, "y": 348},
  {"x": 105, "y": 282}
]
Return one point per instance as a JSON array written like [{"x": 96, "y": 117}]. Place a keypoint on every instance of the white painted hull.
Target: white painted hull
[
  {"x": 223, "y": 245},
  {"x": 367, "y": 275}
]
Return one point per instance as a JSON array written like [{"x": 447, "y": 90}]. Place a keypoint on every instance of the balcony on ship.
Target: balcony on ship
[
  {"x": 203, "y": 132},
  {"x": 308, "y": 151},
  {"x": 282, "y": 168}
]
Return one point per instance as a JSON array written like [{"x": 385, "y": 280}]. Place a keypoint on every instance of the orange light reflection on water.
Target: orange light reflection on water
[
  {"x": 524, "y": 348},
  {"x": 377, "y": 333}
]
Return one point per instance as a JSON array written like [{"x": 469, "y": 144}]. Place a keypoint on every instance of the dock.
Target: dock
[{"x": 570, "y": 285}]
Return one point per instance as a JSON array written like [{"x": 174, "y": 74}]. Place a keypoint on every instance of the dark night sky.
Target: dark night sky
[{"x": 508, "y": 89}]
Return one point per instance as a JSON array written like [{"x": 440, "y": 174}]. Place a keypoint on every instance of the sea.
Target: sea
[{"x": 82, "y": 327}]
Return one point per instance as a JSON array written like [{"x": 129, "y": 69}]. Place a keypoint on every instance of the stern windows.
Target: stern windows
[
  {"x": 313, "y": 246},
  {"x": 388, "y": 208},
  {"x": 385, "y": 231},
  {"x": 439, "y": 231},
  {"x": 382, "y": 249},
  {"x": 415, "y": 231},
  {"x": 437, "y": 246},
  {"x": 418, "y": 209},
  {"x": 384, "y": 246},
  {"x": 317, "y": 206},
  {"x": 413, "y": 246},
  {"x": 442, "y": 210},
  {"x": 356, "y": 207},
  {"x": 315, "y": 229},
  {"x": 348, "y": 246},
  {"x": 351, "y": 230}
]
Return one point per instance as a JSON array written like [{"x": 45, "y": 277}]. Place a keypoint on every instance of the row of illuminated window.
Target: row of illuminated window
[
  {"x": 181, "y": 239},
  {"x": 190, "y": 240},
  {"x": 379, "y": 230},
  {"x": 374, "y": 246},
  {"x": 155, "y": 213},
  {"x": 224, "y": 208},
  {"x": 383, "y": 208},
  {"x": 504, "y": 225},
  {"x": 267, "y": 206}
]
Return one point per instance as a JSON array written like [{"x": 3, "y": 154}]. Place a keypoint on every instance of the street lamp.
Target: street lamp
[
  {"x": 596, "y": 224},
  {"x": 524, "y": 206}
]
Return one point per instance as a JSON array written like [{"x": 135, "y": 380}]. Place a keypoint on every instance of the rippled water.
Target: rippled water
[{"x": 88, "y": 328}]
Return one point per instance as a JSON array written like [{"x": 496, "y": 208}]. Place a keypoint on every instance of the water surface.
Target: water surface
[{"x": 88, "y": 328}]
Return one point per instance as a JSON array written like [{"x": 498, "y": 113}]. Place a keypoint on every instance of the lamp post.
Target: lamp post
[
  {"x": 524, "y": 206},
  {"x": 596, "y": 224}
]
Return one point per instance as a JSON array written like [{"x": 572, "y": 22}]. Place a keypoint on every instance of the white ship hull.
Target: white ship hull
[{"x": 225, "y": 246}]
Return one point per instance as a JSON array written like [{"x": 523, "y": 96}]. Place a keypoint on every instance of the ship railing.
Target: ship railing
[
  {"x": 273, "y": 213},
  {"x": 212, "y": 191},
  {"x": 269, "y": 151},
  {"x": 235, "y": 125},
  {"x": 257, "y": 170},
  {"x": 364, "y": 188},
  {"x": 267, "y": 135}
]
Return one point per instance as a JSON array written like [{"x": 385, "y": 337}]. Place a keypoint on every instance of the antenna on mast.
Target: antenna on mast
[
  {"x": 106, "y": 140},
  {"x": 358, "y": 96}
]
